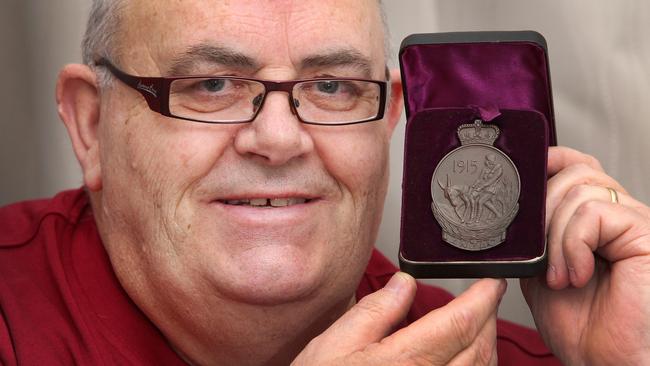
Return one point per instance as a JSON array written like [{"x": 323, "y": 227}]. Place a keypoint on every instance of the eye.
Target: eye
[
  {"x": 257, "y": 101},
  {"x": 329, "y": 87},
  {"x": 213, "y": 85}
]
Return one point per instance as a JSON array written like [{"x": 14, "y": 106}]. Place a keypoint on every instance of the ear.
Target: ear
[
  {"x": 77, "y": 97},
  {"x": 396, "y": 101}
]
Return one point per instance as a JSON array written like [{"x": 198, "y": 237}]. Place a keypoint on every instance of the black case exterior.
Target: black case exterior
[{"x": 489, "y": 268}]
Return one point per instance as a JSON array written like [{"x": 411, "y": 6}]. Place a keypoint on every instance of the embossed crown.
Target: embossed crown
[{"x": 477, "y": 133}]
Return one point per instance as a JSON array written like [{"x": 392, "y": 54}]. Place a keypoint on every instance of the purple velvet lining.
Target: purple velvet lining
[
  {"x": 510, "y": 75},
  {"x": 450, "y": 84},
  {"x": 431, "y": 134}
]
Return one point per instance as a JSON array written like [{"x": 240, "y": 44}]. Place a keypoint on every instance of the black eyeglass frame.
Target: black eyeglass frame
[{"x": 155, "y": 91}]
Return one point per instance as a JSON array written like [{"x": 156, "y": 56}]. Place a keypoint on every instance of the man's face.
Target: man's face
[{"x": 167, "y": 183}]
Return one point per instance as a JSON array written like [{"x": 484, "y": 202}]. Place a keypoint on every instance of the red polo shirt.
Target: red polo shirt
[{"x": 61, "y": 304}]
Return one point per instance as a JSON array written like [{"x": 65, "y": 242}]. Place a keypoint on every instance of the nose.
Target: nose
[{"x": 276, "y": 135}]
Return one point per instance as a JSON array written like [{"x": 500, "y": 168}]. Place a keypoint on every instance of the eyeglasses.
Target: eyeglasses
[{"x": 227, "y": 99}]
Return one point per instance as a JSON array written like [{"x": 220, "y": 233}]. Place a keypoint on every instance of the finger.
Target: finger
[
  {"x": 559, "y": 273},
  {"x": 564, "y": 192},
  {"x": 444, "y": 332},
  {"x": 578, "y": 174},
  {"x": 483, "y": 350},
  {"x": 368, "y": 321},
  {"x": 560, "y": 157},
  {"x": 617, "y": 232}
]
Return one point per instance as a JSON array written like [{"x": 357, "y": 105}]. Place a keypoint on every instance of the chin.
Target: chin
[{"x": 273, "y": 276}]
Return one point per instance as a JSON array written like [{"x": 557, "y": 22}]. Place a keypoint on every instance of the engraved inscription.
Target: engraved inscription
[
  {"x": 465, "y": 166},
  {"x": 148, "y": 88}
]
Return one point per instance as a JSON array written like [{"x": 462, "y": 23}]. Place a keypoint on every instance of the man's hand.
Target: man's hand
[
  {"x": 593, "y": 307},
  {"x": 461, "y": 333}
]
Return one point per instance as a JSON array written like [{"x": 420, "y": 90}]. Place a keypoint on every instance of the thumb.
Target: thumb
[{"x": 367, "y": 322}]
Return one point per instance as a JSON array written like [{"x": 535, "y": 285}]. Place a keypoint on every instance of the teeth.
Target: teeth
[
  {"x": 267, "y": 202},
  {"x": 296, "y": 201},
  {"x": 279, "y": 202},
  {"x": 258, "y": 202}
]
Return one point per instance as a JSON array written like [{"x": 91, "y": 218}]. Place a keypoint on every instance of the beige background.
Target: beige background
[{"x": 600, "y": 67}]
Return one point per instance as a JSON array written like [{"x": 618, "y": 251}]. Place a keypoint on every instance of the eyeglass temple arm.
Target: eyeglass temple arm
[{"x": 149, "y": 87}]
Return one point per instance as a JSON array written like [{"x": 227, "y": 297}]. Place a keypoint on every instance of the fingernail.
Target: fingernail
[
  {"x": 397, "y": 283},
  {"x": 551, "y": 274}
]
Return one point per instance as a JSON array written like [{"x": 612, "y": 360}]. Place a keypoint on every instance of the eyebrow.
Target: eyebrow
[
  {"x": 188, "y": 61},
  {"x": 344, "y": 57}
]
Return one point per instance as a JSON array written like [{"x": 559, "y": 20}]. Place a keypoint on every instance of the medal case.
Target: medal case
[{"x": 451, "y": 79}]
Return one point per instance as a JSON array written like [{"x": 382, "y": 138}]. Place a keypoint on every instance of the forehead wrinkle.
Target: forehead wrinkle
[
  {"x": 348, "y": 57},
  {"x": 194, "y": 55}
]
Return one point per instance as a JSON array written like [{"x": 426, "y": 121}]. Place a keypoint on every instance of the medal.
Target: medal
[{"x": 475, "y": 190}]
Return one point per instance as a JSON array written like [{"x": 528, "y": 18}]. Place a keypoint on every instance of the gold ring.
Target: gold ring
[{"x": 613, "y": 195}]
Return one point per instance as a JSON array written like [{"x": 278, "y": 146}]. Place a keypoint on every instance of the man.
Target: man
[
  {"x": 244, "y": 243},
  {"x": 485, "y": 187}
]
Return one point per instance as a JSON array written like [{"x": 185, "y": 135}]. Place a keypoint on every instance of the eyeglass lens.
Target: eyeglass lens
[{"x": 233, "y": 100}]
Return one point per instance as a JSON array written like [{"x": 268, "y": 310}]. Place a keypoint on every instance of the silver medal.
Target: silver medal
[{"x": 475, "y": 190}]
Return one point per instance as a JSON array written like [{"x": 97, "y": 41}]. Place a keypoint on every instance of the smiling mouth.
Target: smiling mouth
[{"x": 267, "y": 202}]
